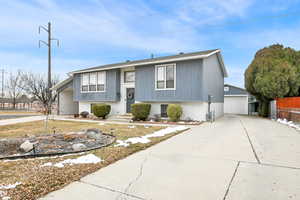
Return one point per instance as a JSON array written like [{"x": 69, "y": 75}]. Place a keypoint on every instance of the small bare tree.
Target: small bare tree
[
  {"x": 14, "y": 86},
  {"x": 36, "y": 85}
]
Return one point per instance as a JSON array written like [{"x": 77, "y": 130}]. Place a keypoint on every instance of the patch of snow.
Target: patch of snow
[
  {"x": 10, "y": 186},
  {"x": 131, "y": 126},
  {"x": 288, "y": 123},
  {"x": 121, "y": 143},
  {"x": 59, "y": 165},
  {"x": 166, "y": 131},
  {"x": 135, "y": 140},
  {"x": 47, "y": 164},
  {"x": 87, "y": 159},
  {"x": 46, "y": 157},
  {"x": 145, "y": 139}
]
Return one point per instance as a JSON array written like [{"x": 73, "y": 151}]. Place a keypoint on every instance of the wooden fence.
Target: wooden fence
[{"x": 289, "y": 108}]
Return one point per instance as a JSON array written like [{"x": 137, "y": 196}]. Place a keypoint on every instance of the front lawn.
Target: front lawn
[{"x": 37, "y": 180}]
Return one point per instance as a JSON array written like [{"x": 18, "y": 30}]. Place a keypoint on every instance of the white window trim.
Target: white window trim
[
  {"x": 96, "y": 82},
  {"x": 165, "y": 76},
  {"x": 124, "y": 77}
]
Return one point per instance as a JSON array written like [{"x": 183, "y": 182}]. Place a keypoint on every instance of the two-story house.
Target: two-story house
[{"x": 187, "y": 79}]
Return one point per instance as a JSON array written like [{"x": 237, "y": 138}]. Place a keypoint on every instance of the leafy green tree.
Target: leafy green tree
[{"x": 274, "y": 73}]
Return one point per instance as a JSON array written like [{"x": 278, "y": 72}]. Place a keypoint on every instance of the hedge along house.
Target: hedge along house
[{"x": 185, "y": 79}]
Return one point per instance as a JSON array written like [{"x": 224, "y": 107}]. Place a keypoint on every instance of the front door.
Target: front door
[{"x": 129, "y": 99}]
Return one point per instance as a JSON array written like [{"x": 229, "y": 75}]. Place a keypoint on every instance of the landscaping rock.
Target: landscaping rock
[
  {"x": 94, "y": 133},
  {"x": 26, "y": 146},
  {"x": 78, "y": 147}
]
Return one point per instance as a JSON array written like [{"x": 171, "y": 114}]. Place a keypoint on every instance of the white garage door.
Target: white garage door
[{"x": 236, "y": 104}]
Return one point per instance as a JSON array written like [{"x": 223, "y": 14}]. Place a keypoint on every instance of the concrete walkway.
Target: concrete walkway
[
  {"x": 234, "y": 158},
  {"x": 21, "y": 120}
]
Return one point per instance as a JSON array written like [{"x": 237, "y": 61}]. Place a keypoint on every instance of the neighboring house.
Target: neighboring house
[
  {"x": 235, "y": 100},
  {"x": 185, "y": 79}
]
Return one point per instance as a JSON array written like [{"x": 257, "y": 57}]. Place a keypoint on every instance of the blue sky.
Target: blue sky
[{"x": 95, "y": 32}]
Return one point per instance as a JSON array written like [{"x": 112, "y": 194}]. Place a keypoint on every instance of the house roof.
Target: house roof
[
  {"x": 235, "y": 91},
  {"x": 234, "y": 86},
  {"x": 178, "y": 57},
  {"x": 62, "y": 83}
]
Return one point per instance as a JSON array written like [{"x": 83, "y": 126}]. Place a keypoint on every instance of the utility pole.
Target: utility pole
[
  {"x": 48, "y": 44},
  {"x": 2, "y": 88}
]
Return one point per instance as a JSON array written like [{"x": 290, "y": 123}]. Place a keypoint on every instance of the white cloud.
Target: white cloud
[
  {"x": 92, "y": 24},
  {"x": 212, "y": 11}
]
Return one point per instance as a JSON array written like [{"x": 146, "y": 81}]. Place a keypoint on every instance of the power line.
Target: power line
[{"x": 2, "y": 87}]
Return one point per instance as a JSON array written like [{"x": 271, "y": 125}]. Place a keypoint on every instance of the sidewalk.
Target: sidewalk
[{"x": 21, "y": 120}]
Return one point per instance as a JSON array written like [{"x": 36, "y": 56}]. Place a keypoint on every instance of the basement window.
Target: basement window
[{"x": 163, "y": 110}]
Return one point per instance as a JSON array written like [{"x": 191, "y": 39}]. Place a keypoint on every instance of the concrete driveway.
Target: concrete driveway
[{"x": 235, "y": 158}]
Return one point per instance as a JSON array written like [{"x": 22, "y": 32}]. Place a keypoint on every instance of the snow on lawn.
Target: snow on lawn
[
  {"x": 289, "y": 123},
  {"x": 145, "y": 139},
  {"x": 9, "y": 186},
  {"x": 87, "y": 159}
]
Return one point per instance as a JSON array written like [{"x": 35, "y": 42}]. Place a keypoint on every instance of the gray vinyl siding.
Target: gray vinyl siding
[
  {"x": 213, "y": 79},
  {"x": 235, "y": 91},
  {"x": 112, "y": 91},
  {"x": 188, "y": 83}
]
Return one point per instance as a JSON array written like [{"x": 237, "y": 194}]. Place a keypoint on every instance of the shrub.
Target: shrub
[
  {"x": 140, "y": 111},
  {"x": 84, "y": 114},
  {"x": 174, "y": 112},
  {"x": 101, "y": 110}
]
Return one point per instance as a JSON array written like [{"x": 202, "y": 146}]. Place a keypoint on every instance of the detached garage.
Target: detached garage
[{"x": 235, "y": 100}]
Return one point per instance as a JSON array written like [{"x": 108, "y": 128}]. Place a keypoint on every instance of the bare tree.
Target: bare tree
[
  {"x": 14, "y": 87},
  {"x": 36, "y": 85}
]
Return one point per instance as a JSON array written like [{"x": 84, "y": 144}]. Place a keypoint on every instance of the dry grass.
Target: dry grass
[
  {"x": 39, "y": 128},
  {"x": 38, "y": 181}
]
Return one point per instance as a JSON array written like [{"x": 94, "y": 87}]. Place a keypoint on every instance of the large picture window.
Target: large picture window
[
  {"x": 93, "y": 82},
  {"x": 165, "y": 76}
]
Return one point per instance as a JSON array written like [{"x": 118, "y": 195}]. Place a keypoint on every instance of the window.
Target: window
[
  {"x": 85, "y": 82},
  {"x": 226, "y": 89},
  {"x": 93, "y": 82},
  {"x": 165, "y": 76},
  {"x": 160, "y": 78},
  {"x": 163, "y": 110},
  {"x": 101, "y": 81},
  {"x": 129, "y": 77}
]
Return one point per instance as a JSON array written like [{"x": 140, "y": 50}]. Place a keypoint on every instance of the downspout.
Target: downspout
[{"x": 58, "y": 107}]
